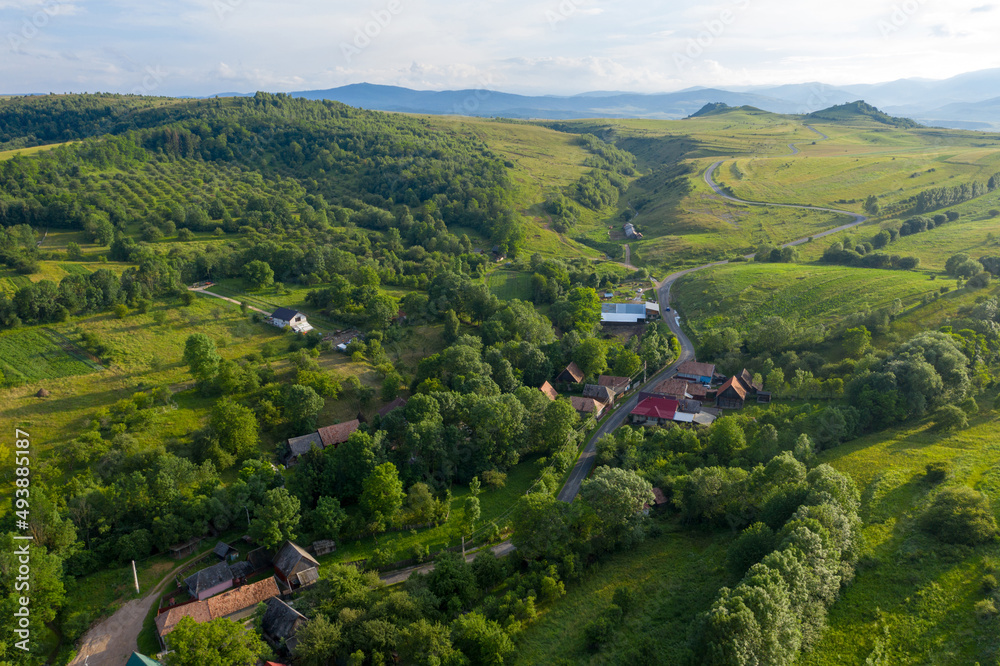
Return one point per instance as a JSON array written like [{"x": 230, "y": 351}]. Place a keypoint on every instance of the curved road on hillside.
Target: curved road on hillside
[{"x": 587, "y": 458}]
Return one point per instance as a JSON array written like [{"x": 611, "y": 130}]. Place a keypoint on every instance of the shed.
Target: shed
[
  {"x": 291, "y": 560},
  {"x": 224, "y": 551},
  {"x": 572, "y": 374},
  {"x": 549, "y": 391},
  {"x": 335, "y": 435},
  {"x": 280, "y": 623},
  {"x": 241, "y": 570},
  {"x": 731, "y": 395},
  {"x": 699, "y": 372},
  {"x": 323, "y": 547},
  {"x": 207, "y": 582},
  {"x": 746, "y": 379},
  {"x": 180, "y": 551},
  {"x": 298, "y": 446},
  {"x": 261, "y": 558},
  {"x": 623, "y": 313},
  {"x": 395, "y": 404}
]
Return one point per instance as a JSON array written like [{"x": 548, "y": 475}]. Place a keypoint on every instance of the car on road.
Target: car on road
[{"x": 668, "y": 309}]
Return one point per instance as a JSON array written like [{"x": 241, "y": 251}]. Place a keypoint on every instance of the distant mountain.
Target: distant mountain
[
  {"x": 860, "y": 110},
  {"x": 966, "y": 101},
  {"x": 491, "y": 103}
]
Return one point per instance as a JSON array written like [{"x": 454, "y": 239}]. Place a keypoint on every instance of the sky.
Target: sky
[{"x": 203, "y": 47}]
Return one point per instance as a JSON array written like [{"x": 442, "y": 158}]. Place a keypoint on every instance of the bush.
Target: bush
[
  {"x": 937, "y": 472},
  {"x": 989, "y": 583},
  {"x": 121, "y": 310},
  {"x": 185, "y": 235},
  {"x": 994, "y": 212},
  {"x": 494, "y": 479},
  {"x": 960, "y": 515},
  {"x": 950, "y": 417},
  {"x": 985, "y": 609},
  {"x": 952, "y": 215}
]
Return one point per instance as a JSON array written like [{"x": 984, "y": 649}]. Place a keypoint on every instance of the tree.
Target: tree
[
  {"x": 220, "y": 642},
  {"x": 541, "y": 526},
  {"x": 327, "y": 517},
  {"x": 275, "y": 519},
  {"x": 201, "y": 356},
  {"x": 592, "y": 357},
  {"x": 302, "y": 404},
  {"x": 960, "y": 515},
  {"x": 318, "y": 641},
  {"x": 728, "y": 438},
  {"x": 749, "y": 548},
  {"x": 470, "y": 515},
  {"x": 257, "y": 274},
  {"x": 871, "y": 205},
  {"x": 428, "y": 644},
  {"x": 627, "y": 363},
  {"x": 617, "y": 496},
  {"x": 382, "y": 495},
  {"x": 482, "y": 641},
  {"x": 451, "y": 325},
  {"x": 452, "y": 582},
  {"x": 236, "y": 428},
  {"x": 857, "y": 341}
]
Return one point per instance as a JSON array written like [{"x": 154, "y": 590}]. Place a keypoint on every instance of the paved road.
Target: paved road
[{"x": 587, "y": 458}]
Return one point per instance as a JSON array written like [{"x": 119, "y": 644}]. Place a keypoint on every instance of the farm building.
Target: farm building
[
  {"x": 695, "y": 371},
  {"x": 731, "y": 395},
  {"x": 550, "y": 392},
  {"x": 587, "y": 407},
  {"x": 225, "y": 552},
  {"x": 385, "y": 409},
  {"x": 601, "y": 394},
  {"x": 617, "y": 384},
  {"x": 655, "y": 410},
  {"x": 337, "y": 434},
  {"x": 236, "y": 604},
  {"x": 182, "y": 550},
  {"x": 630, "y": 231},
  {"x": 280, "y": 623},
  {"x": 623, "y": 313},
  {"x": 283, "y": 317},
  {"x": 323, "y": 547},
  {"x": 208, "y": 582},
  {"x": 298, "y": 446},
  {"x": 673, "y": 388},
  {"x": 295, "y": 566},
  {"x": 572, "y": 374}
]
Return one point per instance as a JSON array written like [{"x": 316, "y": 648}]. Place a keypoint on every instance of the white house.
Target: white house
[{"x": 283, "y": 317}]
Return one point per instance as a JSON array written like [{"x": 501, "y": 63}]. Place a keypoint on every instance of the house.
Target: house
[
  {"x": 208, "y": 582},
  {"x": 550, "y": 392},
  {"x": 695, "y": 371},
  {"x": 623, "y": 313},
  {"x": 235, "y": 604},
  {"x": 571, "y": 375},
  {"x": 630, "y": 232},
  {"x": 617, "y": 384},
  {"x": 225, "y": 552},
  {"x": 280, "y": 623},
  {"x": 587, "y": 407},
  {"x": 283, "y": 317},
  {"x": 652, "y": 310},
  {"x": 395, "y": 404},
  {"x": 335, "y": 435},
  {"x": 655, "y": 410},
  {"x": 601, "y": 394},
  {"x": 299, "y": 446},
  {"x": 141, "y": 660},
  {"x": 673, "y": 388},
  {"x": 731, "y": 395},
  {"x": 292, "y": 564}
]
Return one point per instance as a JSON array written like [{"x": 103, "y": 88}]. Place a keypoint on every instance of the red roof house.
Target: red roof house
[
  {"x": 654, "y": 410},
  {"x": 731, "y": 395},
  {"x": 337, "y": 434}
]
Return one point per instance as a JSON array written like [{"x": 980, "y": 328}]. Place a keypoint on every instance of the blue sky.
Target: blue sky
[{"x": 199, "y": 47}]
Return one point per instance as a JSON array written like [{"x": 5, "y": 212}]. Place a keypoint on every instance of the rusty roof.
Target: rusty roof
[
  {"x": 337, "y": 434},
  {"x": 240, "y": 598}
]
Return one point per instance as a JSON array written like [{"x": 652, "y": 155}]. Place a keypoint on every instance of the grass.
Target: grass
[
  {"x": 674, "y": 577},
  {"x": 31, "y": 355},
  {"x": 743, "y": 294},
  {"x": 27, "y": 152},
  {"x": 912, "y": 600},
  {"x": 508, "y": 285}
]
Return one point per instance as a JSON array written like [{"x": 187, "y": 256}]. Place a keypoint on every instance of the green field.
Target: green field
[
  {"x": 674, "y": 577},
  {"x": 912, "y": 600},
  {"x": 742, "y": 294},
  {"x": 30, "y": 355},
  {"x": 508, "y": 285}
]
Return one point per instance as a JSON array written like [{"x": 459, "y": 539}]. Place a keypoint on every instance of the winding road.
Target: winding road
[{"x": 585, "y": 462}]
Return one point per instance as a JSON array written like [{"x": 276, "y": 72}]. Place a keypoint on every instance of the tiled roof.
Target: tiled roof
[
  {"x": 695, "y": 368},
  {"x": 674, "y": 387},
  {"x": 290, "y": 555},
  {"x": 659, "y": 497},
  {"x": 280, "y": 619},
  {"x": 585, "y": 405},
  {"x": 240, "y": 598},
  {"x": 747, "y": 380},
  {"x": 398, "y": 402},
  {"x": 734, "y": 384},
  {"x": 549, "y": 391},
  {"x": 574, "y": 371},
  {"x": 298, "y": 446},
  {"x": 208, "y": 578},
  {"x": 166, "y": 621},
  {"x": 337, "y": 434},
  {"x": 656, "y": 407},
  {"x": 618, "y": 384},
  {"x": 600, "y": 393},
  {"x": 222, "y": 549}
]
